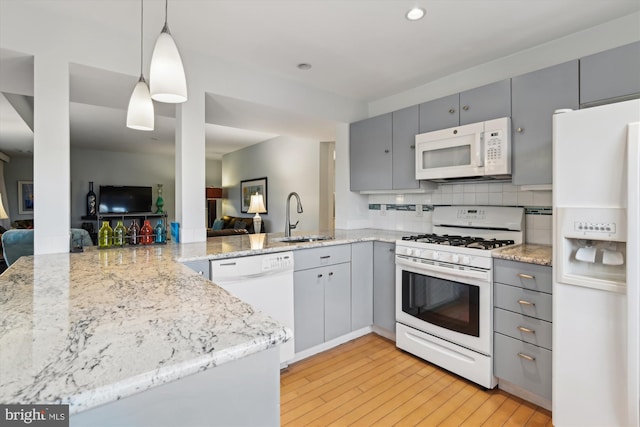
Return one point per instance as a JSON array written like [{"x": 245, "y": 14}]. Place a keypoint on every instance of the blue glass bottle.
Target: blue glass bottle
[{"x": 161, "y": 235}]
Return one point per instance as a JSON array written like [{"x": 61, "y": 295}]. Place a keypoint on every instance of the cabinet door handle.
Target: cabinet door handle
[
  {"x": 325, "y": 257},
  {"x": 319, "y": 276},
  {"x": 527, "y": 330},
  {"x": 527, "y": 357},
  {"x": 331, "y": 273},
  {"x": 452, "y": 110},
  {"x": 465, "y": 108},
  {"x": 520, "y": 130},
  {"x": 413, "y": 147},
  {"x": 526, "y": 276},
  {"x": 392, "y": 250},
  {"x": 386, "y": 151},
  {"x": 523, "y": 302}
]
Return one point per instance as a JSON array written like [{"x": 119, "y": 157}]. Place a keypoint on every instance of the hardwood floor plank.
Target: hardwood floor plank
[
  {"x": 451, "y": 405},
  {"x": 368, "y": 381}
]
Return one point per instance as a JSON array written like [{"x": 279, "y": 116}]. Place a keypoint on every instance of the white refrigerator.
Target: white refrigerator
[{"x": 596, "y": 187}]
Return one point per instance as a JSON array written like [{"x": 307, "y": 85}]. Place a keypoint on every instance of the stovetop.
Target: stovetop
[{"x": 459, "y": 241}]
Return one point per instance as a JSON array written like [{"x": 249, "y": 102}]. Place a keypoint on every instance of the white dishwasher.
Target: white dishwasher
[{"x": 265, "y": 282}]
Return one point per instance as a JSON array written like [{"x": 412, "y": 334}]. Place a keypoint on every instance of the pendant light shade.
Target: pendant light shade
[
  {"x": 166, "y": 78},
  {"x": 140, "y": 111},
  {"x": 140, "y": 114}
]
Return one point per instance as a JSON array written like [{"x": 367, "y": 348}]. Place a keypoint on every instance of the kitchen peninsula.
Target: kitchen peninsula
[{"x": 97, "y": 327}]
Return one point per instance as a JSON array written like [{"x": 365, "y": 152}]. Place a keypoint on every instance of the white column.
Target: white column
[
  {"x": 191, "y": 168},
  {"x": 51, "y": 164}
]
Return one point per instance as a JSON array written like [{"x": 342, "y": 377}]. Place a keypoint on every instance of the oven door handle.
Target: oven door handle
[{"x": 426, "y": 268}]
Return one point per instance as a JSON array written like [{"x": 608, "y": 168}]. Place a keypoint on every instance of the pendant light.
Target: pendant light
[
  {"x": 167, "y": 79},
  {"x": 140, "y": 111}
]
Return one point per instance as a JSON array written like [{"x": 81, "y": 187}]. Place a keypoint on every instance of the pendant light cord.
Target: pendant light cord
[{"x": 141, "y": 33}]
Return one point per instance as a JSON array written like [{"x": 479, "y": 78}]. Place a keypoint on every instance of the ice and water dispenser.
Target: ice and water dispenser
[{"x": 592, "y": 247}]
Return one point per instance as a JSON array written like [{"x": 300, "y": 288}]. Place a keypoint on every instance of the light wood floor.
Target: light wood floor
[{"x": 368, "y": 382}]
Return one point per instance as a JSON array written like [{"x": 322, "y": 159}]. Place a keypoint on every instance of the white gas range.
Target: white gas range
[{"x": 444, "y": 287}]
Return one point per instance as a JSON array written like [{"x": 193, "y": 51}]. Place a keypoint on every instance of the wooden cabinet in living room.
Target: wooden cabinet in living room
[{"x": 534, "y": 98}]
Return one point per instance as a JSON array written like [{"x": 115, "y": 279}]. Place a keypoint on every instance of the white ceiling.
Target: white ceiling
[{"x": 359, "y": 49}]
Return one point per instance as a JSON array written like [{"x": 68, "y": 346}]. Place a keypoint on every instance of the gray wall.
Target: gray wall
[
  {"x": 107, "y": 168},
  {"x": 18, "y": 169},
  {"x": 290, "y": 164}
]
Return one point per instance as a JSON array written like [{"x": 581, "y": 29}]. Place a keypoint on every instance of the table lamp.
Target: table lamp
[
  {"x": 257, "y": 207},
  {"x": 3, "y": 213}
]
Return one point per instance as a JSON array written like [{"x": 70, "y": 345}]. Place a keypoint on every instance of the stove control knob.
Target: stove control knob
[
  {"x": 466, "y": 260},
  {"x": 455, "y": 258},
  {"x": 409, "y": 251},
  {"x": 435, "y": 255}
]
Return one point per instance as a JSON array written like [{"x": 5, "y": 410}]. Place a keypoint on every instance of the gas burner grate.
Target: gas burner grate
[{"x": 462, "y": 241}]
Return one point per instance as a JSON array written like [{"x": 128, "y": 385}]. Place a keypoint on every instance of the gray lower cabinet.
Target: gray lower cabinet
[
  {"x": 611, "y": 74},
  {"x": 322, "y": 295},
  {"x": 361, "y": 285},
  {"x": 384, "y": 289},
  {"x": 202, "y": 267},
  {"x": 534, "y": 98},
  {"x": 522, "y": 325}
]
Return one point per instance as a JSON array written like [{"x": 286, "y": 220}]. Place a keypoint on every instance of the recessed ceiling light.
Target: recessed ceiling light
[
  {"x": 415, "y": 14},
  {"x": 304, "y": 66}
]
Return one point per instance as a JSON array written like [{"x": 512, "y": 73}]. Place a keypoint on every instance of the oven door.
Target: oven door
[
  {"x": 450, "y": 153},
  {"x": 447, "y": 302}
]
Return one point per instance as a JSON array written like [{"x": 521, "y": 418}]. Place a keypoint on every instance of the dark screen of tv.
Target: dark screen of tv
[{"x": 125, "y": 199}]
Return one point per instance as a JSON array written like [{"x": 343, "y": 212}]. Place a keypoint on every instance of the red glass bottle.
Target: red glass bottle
[{"x": 146, "y": 233}]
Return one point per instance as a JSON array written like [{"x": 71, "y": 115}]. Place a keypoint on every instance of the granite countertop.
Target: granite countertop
[
  {"x": 532, "y": 254},
  {"x": 89, "y": 328}
]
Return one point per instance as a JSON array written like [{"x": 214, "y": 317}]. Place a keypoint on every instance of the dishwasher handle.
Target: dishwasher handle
[{"x": 243, "y": 277}]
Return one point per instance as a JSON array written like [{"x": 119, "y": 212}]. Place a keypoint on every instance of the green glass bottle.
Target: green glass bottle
[
  {"x": 105, "y": 235},
  {"x": 159, "y": 200},
  {"x": 119, "y": 233}
]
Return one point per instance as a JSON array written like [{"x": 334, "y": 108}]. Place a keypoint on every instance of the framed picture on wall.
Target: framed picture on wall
[
  {"x": 249, "y": 187},
  {"x": 25, "y": 197}
]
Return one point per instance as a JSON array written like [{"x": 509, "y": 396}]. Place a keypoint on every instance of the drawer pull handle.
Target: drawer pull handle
[
  {"x": 331, "y": 273},
  {"x": 527, "y": 330},
  {"x": 227, "y": 264},
  {"x": 523, "y": 302},
  {"x": 319, "y": 276},
  {"x": 526, "y": 276},
  {"x": 527, "y": 357},
  {"x": 325, "y": 257}
]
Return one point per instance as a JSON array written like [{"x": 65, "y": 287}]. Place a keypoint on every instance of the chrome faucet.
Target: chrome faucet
[{"x": 288, "y": 226}]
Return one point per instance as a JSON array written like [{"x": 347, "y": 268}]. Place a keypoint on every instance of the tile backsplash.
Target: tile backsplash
[{"x": 412, "y": 212}]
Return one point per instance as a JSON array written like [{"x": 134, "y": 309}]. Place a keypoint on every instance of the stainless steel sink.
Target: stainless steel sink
[{"x": 300, "y": 239}]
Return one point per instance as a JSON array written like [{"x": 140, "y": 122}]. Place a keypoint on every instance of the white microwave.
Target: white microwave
[{"x": 477, "y": 151}]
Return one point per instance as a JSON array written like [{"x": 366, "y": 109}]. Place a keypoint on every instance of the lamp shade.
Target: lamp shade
[
  {"x": 257, "y": 204},
  {"x": 213, "y": 193},
  {"x": 166, "y": 77},
  {"x": 3, "y": 213},
  {"x": 140, "y": 110}
]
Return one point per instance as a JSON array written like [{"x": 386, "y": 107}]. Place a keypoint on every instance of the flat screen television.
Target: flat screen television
[{"x": 125, "y": 199}]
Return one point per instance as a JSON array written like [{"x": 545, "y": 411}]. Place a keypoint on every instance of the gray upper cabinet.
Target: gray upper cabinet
[
  {"x": 534, "y": 98},
  {"x": 382, "y": 151},
  {"x": 486, "y": 102},
  {"x": 610, "y": 74},
  {"x": 371, "y": 153},
  {"x": 441, "y": 113},
  {"x": 405, "y": 128}
]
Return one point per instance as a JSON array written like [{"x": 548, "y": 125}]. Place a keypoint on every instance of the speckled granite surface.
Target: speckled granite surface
[
  {"x": 90, "y": 328},
  {"x": 532, "y": 254},
  {"x": 93, "y": 327}
]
